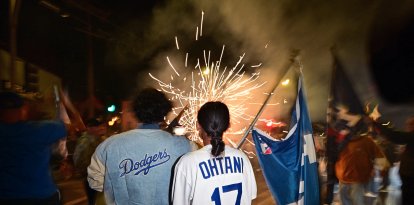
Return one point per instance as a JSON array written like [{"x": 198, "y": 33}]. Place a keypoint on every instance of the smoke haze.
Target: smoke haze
[{"x": 265, "y": 31}]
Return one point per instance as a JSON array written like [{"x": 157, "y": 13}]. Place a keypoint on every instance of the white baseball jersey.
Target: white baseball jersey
[{"x": 200, "y": 178}]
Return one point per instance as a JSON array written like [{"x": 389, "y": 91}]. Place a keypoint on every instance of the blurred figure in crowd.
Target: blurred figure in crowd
[
  {"x": 355, "y": 168},
  {"x": 85, "y": 147},
  {"x": 407, "y": 157},
  {"x": 134, "y": 167},
  {"x": 202, "y": 176},
  {"x": 390, "y": 151},
  {"x": 25, "y": 153}
]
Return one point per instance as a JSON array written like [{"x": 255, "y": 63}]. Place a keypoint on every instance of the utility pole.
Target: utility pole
[
  {"x": 91, "y": 78},
  {"x": 13, "y": 22}
]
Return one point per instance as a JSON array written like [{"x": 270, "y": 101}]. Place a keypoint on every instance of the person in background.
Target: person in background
[
  {"x": 25, "y": 152},
  {"x": 355, "y": 168},
  {"x": 134, "y": 167},
  {"x": 407, "y": 157},
  {"x": 390, "y": 151},
  {"x": 216, "y": 173},
  {"x": 85, "y": 147}
]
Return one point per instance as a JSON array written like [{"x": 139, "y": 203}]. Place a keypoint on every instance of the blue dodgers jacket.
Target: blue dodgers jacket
[{"x": 135, "y": 167}]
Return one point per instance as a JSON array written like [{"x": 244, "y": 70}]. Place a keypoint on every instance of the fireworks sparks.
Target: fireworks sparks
[
  {"x": 210, "y": 82},
  {"x": 176, "y": 43},
  {"x": 271, "y": 123}
]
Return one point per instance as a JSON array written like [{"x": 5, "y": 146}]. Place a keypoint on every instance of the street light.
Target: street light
[{"x": 285, "y": 82}]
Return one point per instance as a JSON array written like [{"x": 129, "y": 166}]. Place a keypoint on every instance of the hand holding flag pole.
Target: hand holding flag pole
[
  {"x": 57, "y": 101},
  {"x": 291, "y": 161},
  {"x": 69, "y": 108},
  {"x": 176, "y": 120},
  {"x": 292, "y": 60},
  {"x": 59, "y": 148}
]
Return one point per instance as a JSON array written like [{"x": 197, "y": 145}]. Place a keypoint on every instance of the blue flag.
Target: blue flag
[{"x": 289, "y": 165}]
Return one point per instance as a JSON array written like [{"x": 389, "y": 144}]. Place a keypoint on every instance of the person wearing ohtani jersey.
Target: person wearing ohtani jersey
[{"x": 215, "y": 174}]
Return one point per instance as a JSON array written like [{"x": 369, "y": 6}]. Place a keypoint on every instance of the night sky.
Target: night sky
[{"x": 132, "y": 38}]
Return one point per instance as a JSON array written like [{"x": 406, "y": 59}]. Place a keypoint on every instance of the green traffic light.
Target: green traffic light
[{"x": 111, "y": 108}]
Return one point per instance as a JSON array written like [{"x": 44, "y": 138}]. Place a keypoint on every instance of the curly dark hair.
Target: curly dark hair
[{"x": 151, "y": 106}]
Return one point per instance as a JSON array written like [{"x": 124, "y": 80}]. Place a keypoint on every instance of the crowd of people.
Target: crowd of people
[
  {"x": 133, "y": 167},
  {"x": 151, "y": 165},
  {"x": 374, "y": 167}
]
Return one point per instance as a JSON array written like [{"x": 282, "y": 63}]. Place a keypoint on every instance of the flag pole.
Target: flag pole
[
  {"x": 57, "y": 101},
  {"x": 294, "y": 54}
]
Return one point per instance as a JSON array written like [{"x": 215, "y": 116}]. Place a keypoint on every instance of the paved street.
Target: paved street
[{"x": 72, "y": 192}]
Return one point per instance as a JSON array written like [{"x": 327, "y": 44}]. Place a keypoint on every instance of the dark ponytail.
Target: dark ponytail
[{"x": 214, "y": 118}]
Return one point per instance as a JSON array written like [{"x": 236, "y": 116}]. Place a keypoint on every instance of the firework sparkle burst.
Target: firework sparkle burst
[{"x": 210, "y": 82}]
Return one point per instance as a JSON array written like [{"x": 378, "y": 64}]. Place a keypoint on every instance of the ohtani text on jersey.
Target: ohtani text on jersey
[{"x": 221, "y": 165}]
